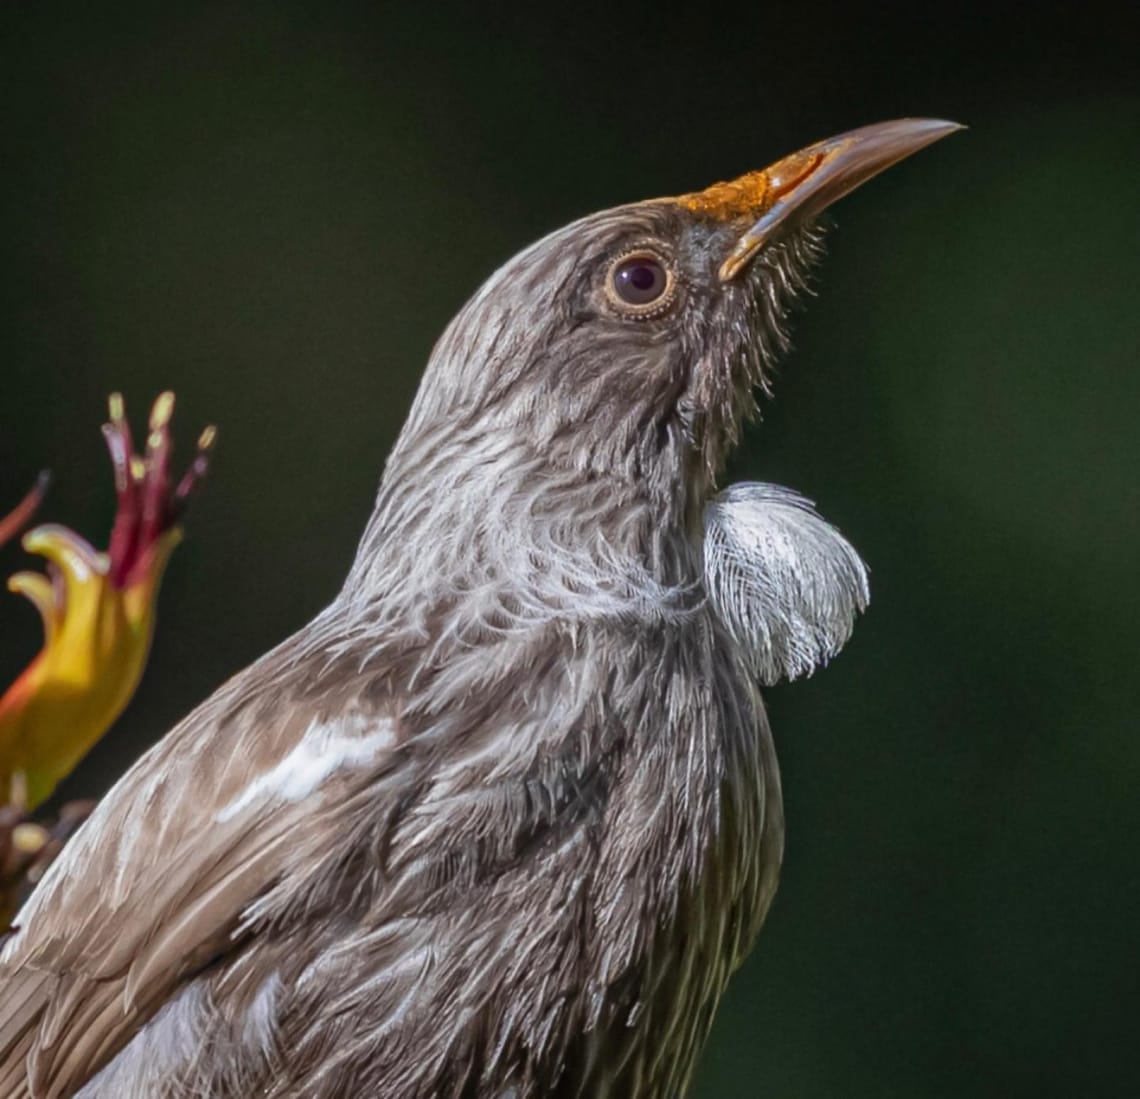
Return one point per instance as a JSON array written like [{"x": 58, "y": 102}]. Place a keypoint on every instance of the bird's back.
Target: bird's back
[{"x": 425, "y": 891}]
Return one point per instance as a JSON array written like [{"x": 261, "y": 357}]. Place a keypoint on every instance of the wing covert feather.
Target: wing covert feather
[{"x": 153, "y": 886}]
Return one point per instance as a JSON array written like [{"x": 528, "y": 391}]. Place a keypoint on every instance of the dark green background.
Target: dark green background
[{"x": 275, "y": 208}]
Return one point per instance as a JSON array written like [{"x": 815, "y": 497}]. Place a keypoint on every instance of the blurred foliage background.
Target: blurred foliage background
[{"x": 274, "y": 209}]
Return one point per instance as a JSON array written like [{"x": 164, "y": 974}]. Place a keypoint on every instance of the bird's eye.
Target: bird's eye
[{"x": 640, "y": 284}]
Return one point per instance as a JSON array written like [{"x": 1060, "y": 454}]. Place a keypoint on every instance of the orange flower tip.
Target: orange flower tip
[
  {"x": 138, "y": 467},
  {"x": 116, "y": 407},
  {"x": 12, "y": 523},
  {"x": 207, "y": 439},
  {"x": 162, "y": 411}
]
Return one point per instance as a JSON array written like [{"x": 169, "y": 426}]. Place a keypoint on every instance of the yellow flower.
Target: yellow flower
[{"x": 98, "y": 611}]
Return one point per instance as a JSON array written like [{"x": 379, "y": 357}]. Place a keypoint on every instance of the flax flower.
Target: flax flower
[{"x": 98, "y": 611}]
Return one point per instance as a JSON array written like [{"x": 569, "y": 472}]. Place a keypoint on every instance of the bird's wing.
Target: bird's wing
[{"x": 153, "y": 886}]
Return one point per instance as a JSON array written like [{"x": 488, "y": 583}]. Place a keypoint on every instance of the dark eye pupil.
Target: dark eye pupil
[
  {"x": 639, "y": 280},
  {"x": 643, "y": 277}
]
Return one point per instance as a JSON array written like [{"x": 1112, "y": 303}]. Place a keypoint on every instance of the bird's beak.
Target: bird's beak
[{"x": 804, "y": 184}]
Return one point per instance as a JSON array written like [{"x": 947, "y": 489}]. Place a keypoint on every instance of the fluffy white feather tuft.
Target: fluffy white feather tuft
[{"x": 784, "y": 581}]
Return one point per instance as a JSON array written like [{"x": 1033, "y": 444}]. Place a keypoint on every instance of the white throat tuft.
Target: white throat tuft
[{"x": 785, "y": 583}]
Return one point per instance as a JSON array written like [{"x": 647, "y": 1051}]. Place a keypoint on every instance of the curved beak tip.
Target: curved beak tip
[{"x": 805, "y": 183}]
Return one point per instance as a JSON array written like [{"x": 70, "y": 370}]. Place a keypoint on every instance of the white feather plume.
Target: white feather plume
[{"x": 785, "y": 583}]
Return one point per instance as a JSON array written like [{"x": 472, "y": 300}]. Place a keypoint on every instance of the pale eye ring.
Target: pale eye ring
[{"x": 640, "y": 283}]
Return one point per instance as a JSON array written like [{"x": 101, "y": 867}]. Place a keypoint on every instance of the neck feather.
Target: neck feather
[{"x": 477, "y": 534}]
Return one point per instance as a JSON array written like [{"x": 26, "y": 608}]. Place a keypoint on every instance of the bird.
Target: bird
[{"x": 504, "y": 818}]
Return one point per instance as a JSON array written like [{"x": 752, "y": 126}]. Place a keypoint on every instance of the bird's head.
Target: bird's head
[
  {"x": 630, "y": 343},
  {"x": 574, "y": 418}
]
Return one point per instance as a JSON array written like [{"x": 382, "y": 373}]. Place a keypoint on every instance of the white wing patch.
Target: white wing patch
[
  {"x": 260, "y": 1023},
  {"x": 325, "y": 748},
  {"x": 167, "y": 1047},
  {"x": 187, "y": 1040},
  {"x": 785, "y": 582}
]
